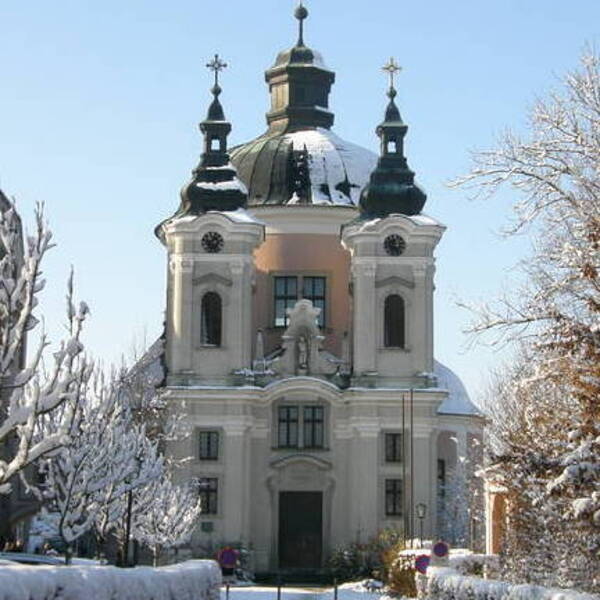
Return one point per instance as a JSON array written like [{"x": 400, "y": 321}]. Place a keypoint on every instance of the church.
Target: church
[{"x": 299, "y": 331}]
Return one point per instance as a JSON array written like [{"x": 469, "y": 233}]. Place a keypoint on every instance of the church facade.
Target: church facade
[{"x": 299, "y": 332}]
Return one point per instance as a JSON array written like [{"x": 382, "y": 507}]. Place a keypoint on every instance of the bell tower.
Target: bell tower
[
  {"x": 210, "y": 241},
  {"x": 392, "y": 245}
]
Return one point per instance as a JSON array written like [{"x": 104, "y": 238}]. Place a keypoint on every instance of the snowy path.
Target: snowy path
[{"x": 295, "y": 593}]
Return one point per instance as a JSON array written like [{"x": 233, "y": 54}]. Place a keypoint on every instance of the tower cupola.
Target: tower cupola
[
  {"x": 214, "y": 185},
  {"x": 299, "y": 84},
  {"x": 391, "y": 188}
]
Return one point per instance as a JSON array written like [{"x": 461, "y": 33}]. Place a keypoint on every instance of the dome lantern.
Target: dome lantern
[{"x": 299, "y": 83}]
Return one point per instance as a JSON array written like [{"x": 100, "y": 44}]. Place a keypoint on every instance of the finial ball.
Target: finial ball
[{"x": 301, "y": 12}]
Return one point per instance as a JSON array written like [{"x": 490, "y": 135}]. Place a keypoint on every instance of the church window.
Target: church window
[
  {"x": 211, "y": 315},
  {"x": 392, "y": 147},
  {"x": 393, "y": 447},
  {"x": 393, "y": 328},
  {"x": 291, "y": 288},
  {"x": 208, "y": 444},
  {"x": 314, "y": 290},
  {"x": 313, "y": 426},
  {"x": 301, "y": 426},
  {"x": 393, "y": 497},
  {"x": 208, "y": 492},
  {"x": 286, "y": 296},
  {"x": 288, "y": 427},
  {"x": 441, "y": 477}
]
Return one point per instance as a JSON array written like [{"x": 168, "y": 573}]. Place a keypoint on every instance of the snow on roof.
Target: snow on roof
[
  {"x": 334, "y": 162},
  {"x": 421, "y": 219},
  {"x": 236, "y": 184},
  {"x": 241, "y": 215},
  {"x": 458, "y": 401}
]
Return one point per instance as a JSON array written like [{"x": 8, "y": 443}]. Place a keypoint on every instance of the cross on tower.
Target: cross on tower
[
  {"x": 392, "y": 68},
  {"x": 216, "y": 65}
]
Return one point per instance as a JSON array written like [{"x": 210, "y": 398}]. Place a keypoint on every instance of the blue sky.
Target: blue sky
[{"x": 100, "y": 103}]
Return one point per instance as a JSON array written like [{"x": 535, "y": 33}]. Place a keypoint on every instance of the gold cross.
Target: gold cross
[
  {"x": 392, "y": 68},
  {"x": 216, "y": 65}
]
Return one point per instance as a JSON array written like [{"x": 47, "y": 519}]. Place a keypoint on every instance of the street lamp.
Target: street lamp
[{"x": 421, "y": 513}]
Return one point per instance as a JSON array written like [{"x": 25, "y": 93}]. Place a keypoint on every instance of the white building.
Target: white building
[{"x": 299, "y": 332}]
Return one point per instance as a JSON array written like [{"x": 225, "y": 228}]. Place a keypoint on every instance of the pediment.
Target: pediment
[
  {"x": 212, "y": 278},
  {"x": 301, "y": 459},
  {"x": 395, "y": 280}
]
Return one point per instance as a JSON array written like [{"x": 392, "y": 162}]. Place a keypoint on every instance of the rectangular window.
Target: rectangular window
[
  {"x": 208, "y": 491},
  {"x": 286, "y": 296},
  {"x": 313, "y": 289},
  {"x": 288, "y": 427},
  {"x": 393, "y": 447},
  {"x": 313, "y": 427},
  {"x": 208, "y": 444},
  {"x": 393, "y": 497}
]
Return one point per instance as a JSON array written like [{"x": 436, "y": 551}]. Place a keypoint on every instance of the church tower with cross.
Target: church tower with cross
[{"x": 299, "y": 333}]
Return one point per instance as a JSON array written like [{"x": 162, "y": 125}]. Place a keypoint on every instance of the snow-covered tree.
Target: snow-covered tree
[
  {"x": 556, "y": 315},
  {"x": 460, "y": 501},
  {"x": 107, "y": 455},
  {"x": 138, "y": 463},
  {"x": 27, "y": 391},
  {"x": 166, "y": 515}
]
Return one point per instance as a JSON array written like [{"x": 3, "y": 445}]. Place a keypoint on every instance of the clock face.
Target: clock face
[
  {"x": 212, "y": 242},
  {"x": 394, "y": 244}
]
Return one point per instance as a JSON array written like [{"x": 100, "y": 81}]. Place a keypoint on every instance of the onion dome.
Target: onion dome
[
  {"x": 391, "y": 188},
  {"x": 299, "y": 160},
  {"x": 214, "y": 185}
]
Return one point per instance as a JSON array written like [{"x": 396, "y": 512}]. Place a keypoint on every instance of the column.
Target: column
[
  {"x": 181, "y": 313},
  {"x": 364, "y": 495},
  {"x": 419, "y": 340},
  {"x": 365, "y": 317},
  {"x": 237, "y": 338},
  {"x": 234, "y": 492}
]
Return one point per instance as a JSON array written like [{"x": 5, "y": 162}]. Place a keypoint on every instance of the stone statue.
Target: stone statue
[{"x": 302, "y": 353}]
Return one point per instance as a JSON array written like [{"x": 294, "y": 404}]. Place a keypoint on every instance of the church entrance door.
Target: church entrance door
[{"x": 300, "y": 530}]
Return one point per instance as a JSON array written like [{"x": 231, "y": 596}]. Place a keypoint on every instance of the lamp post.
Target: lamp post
[{"x": 421, "y": 513}]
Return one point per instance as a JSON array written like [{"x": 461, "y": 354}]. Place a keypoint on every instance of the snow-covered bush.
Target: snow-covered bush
[
  {"x": 358, "y": 560},
  {"x": 443, "y": 583},
  {"x": 474, "y": 564},
  {"x": 192, "y": 580}
]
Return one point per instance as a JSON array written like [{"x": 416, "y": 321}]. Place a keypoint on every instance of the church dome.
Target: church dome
[
  {"x": 307, "y": 166},
  {"x": 299, "y": 160},
  {"x": 458, "y": 401}
]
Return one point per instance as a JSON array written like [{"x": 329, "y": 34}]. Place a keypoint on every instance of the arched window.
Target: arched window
[
  {"x": 210, "y": 330},
  {"x": 393, "y": 324}
]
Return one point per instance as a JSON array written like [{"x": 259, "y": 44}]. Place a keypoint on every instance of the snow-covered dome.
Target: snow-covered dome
[
  {"x": 308, "y": 166},
  {"x": 458, "y": 401}
]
